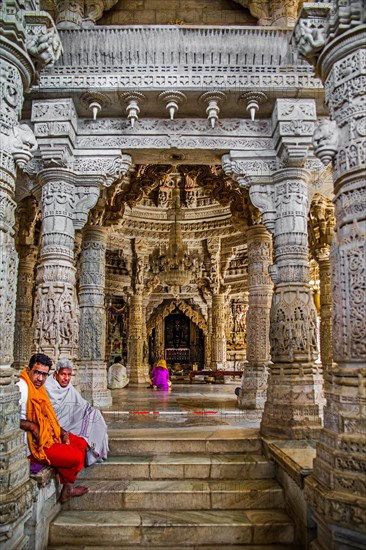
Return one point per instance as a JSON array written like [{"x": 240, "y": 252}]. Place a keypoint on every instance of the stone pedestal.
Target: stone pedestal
[
  {"x": 135, "y": 362},
  {"x": 92, "y": 374},
  {"x": 218, "y": 340},
  {"x": 294, "y": 398},
  {"x": 253, "y": 390}
]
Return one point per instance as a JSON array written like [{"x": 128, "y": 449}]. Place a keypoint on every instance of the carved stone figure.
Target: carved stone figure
[
  {"x": 44, "y": 45},
  {"x": 326, "y": 140}
]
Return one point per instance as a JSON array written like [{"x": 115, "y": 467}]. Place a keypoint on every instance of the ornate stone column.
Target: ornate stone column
[
  {"x": 336, "y": 490},
  {"x": 56, "y": 310},
  {"x": 208, "y": 339},
  {"x": 294, "y": 397},
  {"x": 92, "y": 373},
  {"x": 136, "y": 341},
  {"x": 15, "y": 486},
  {"x": 23, "y": 334},
  {"x": 218, "y": 340},
  {"x": 326, "y": 354},
  {"x": 20, "y": 33},
  {"x": 27, "y": 248},
  {"x": 253, "y": 391},
  {"x": 295, "y": 386}
]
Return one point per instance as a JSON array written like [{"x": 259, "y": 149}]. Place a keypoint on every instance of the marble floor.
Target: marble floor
[{"x": 185, "y": 405}]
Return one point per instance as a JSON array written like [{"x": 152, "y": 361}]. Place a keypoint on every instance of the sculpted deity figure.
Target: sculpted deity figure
[
  {"x": 45, "y": 46},
  {"x": 310, "y": 40}
]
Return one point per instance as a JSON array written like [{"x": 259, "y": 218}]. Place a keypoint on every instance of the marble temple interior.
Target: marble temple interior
[{"x": 185, "y": 179}]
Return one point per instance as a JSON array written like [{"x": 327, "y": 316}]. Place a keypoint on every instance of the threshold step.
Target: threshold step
[
  {"x": 182, "y": 466},
  {"x": 125, "y": 444},
  {"x": 154, "y": 529}
]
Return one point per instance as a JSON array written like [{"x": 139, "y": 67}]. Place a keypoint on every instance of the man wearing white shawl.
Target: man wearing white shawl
[{"x": 75, "y": 414}]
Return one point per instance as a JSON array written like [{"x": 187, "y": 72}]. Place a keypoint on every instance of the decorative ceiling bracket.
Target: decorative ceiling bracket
[
  {"x": 133, "y": 100},
  {"x": 252, "y": 101},
  {"x": 95, "y": 102},
  {"x": 172, "y": 99},
  {"x": 213, "y": 101}
]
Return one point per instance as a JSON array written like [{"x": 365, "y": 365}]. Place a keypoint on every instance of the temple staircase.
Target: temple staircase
[{"x": 196, "y": 489}]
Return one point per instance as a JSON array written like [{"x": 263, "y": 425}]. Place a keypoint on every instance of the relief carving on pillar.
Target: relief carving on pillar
[
  {"x": 294, "y": 330},
  {"x": 349, "y": 323},
  {"x": 11, "y": 94},
  {"x": 92, "y": 329},
  {"x": 56, "y": 318},
  {"x": 9, "y": 263}
]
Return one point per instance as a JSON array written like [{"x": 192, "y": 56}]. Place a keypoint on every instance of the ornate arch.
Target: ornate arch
[{"x": 166, "y": 308}]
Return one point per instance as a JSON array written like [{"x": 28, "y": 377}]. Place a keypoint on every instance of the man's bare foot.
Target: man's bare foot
[{"x": 69, "y": 491}]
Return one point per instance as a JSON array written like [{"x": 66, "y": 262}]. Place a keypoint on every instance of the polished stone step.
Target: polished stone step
[
  {"x": 157, "y": 442},
  {"x": 281, "y": 546},
  {"x": 149, "y": 529},
  {"x": 182, "y": 466},
  {"x": 179, "y": 495}
]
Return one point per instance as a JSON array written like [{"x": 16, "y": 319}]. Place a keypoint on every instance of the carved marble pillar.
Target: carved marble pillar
[
  {"x": 208, "y": 339},
  {"x": 135, "y": 341},
  {"x": 56, "y": 310},
  {"x": 336, "y": 490},
  {"x": 159, "y": 340},
  {"x": 295, "y": 385},
  {"x": 23, "y": 334},
  {"x": 326, "y": 354},
  {"x": 218, "y": 340},
  {"x": 19, "y": 40},
  {"x": 145, "y": 345},
  {"x": 253, "y": 391},
  {"x": 92, "y": 372},
  {"x": 15, "y": 486}
]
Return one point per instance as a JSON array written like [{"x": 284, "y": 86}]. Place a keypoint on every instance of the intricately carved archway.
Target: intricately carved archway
[{"x": 166, "y": 308}]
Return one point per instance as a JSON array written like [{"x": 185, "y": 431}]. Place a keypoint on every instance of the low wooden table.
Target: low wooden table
[{"x": 214, "y": 373}]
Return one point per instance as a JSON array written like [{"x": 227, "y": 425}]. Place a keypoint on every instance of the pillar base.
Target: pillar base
[
  {"x": 334, "y": 512},
  {"x": 17, "y": 508},
  {"x": 92, "y": 381},
  {"x": 294, "y": 407},
  {"x": 253, "y": 387},
  {"x": 138, "y": 374}
]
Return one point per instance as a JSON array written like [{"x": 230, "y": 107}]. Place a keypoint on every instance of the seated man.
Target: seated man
[
  {"x": 48, "y": 443},
  {"x": 75, "y": 414},
  {"x": 117, "y": 375}
]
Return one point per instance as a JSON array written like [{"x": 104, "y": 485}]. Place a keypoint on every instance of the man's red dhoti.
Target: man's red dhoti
[{"x": 68, "y": 460}]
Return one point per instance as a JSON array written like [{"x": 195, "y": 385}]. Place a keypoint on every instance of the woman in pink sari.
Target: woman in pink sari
[{"x": 160, "y": 377}]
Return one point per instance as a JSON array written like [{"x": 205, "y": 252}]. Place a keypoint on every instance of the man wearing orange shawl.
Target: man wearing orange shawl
[{"x": 47, "y": 442}]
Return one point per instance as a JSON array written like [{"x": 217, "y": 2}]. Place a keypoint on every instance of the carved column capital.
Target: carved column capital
[{"x": 293, "y": 123}]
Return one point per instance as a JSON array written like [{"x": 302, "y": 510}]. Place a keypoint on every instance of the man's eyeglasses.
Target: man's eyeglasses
[{"x": 40, "y": 374}]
